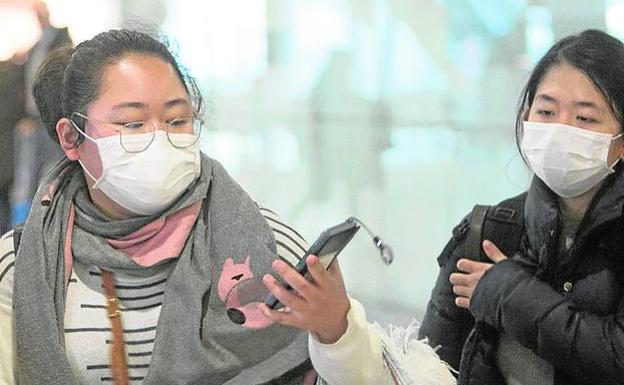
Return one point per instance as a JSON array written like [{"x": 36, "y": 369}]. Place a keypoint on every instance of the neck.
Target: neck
[{"x": 577, "y": 206}]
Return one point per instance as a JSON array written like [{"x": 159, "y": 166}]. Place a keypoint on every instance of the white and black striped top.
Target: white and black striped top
[{"x": 87, "y": 327}]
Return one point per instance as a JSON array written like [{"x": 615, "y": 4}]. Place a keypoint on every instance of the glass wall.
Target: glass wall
[{"x": 399, "y": 112}]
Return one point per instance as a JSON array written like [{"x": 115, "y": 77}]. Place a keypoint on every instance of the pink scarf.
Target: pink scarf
[{"x": 159, "y": 240}]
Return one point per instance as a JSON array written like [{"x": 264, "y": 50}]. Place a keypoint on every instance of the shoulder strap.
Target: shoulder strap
[
  {"x": 502, "y": 224},
  {"x": 17, "y": 236},
  {"x": 472, "y": 246},
  {"x": 119, "y": 364}
]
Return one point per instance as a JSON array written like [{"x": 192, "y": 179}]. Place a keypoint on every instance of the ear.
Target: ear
[
  {"x": 525, "y": 113},
  {"x": 620, "y": 148},
  {"x": 68, "y": 138}
]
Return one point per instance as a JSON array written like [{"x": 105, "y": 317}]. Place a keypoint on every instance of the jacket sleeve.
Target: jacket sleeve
[
  {"x": 356, "y": 358},
  {"x": 7, "y": 319},
  {"x": 445, "y": 325},
  {"x": 585, "y": 345},
  {"x": 366, "y": 353}
]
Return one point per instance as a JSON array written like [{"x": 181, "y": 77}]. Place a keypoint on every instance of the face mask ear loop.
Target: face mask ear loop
[
  {"x": 96, "y": 180},
  {"x": 82, "y": 132}
]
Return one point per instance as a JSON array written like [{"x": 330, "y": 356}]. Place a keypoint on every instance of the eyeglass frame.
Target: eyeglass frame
[{"x": 120, "y": 127}]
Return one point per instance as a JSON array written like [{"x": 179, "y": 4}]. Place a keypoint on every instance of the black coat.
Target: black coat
[{"x": 579, "y": 329}]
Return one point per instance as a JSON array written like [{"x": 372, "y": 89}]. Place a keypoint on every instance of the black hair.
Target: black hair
[
  {"x": 597, "y": 54},
  {"x": 70, "y": 78}
]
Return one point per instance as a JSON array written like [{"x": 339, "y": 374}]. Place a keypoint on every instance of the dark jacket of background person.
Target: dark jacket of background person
[
  {"x": 11, "y": 109},
  {"x": 51, "y": 38},
  {"x": 578, "y": 328},
  {"x": 36, "y": 153}
]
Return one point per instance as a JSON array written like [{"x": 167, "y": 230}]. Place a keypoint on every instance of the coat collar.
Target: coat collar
[{"x": 542, "y": 213}]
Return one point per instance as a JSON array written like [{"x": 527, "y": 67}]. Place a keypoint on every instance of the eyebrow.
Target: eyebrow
[
  {"x": 136, "y": 105},
  {"x": 139, "y": 105},
  {"x": 176, "y": 102},
  {"x": 578, "y": 103}
]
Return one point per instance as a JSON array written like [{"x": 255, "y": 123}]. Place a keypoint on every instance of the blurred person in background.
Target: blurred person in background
[
  {"x": 35, "y": 153},
  {"x": 128, "y": 261},
  {"x": 11, "y": 109}
]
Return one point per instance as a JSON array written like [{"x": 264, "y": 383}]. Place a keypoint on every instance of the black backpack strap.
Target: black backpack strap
[
  {"x": 472, "y": 247},
  {"x": 17, "y": 236},
  {"x": 503, "y": 224}
]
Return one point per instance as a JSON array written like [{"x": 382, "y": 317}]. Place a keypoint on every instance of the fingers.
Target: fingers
[
  {"x": 493, "y": 252},
  {"x": 462, "y": 302},
  {"x": 287, "y": 297},
  {"x": 319, "y": 305},
  {"x": 282, "y": 316},
  {"x": 301, "y": 289},
  {"x": 470, "y": 266},
  {"x": 461, "y": 279},
  {"x": 463, "y": 291},
  {"x": 316, "y": 269},
  {"x": 290, "y": 275},
  {"x": 465, "y": 282}
]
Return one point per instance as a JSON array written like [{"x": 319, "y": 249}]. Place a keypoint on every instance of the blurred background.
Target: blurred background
[{"x": 399, "y": 112}]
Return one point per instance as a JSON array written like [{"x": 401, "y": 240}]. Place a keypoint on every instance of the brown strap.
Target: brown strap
[{"x": 119, "y": 366}]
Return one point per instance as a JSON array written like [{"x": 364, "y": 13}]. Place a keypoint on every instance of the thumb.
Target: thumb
[{"x": 493, "y": 252}]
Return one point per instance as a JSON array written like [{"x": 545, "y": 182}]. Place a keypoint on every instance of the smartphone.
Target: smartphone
[{"x": 327, "y": 247}]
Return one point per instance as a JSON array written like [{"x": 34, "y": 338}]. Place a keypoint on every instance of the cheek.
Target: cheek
[
  {"x": 97, "y": 131},
  {"x": 90, "y": 158}
]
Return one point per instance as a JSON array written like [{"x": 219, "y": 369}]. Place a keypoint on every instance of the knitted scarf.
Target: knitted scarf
[{"x": 195, "y": 343}]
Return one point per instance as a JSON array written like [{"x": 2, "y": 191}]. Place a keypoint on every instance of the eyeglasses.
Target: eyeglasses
[{"x": 137, "y": 136}]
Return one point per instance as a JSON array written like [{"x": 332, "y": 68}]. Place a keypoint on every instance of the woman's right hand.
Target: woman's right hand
[{"x": 319, "y": 304}]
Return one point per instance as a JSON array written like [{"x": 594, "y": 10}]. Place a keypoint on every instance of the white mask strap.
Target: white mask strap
[
  {"x": 82, "y": 132},
  {"x": 96, "y": 180}
]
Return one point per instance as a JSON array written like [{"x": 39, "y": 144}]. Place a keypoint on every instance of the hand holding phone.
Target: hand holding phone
[{"x": 327, "y": 247}]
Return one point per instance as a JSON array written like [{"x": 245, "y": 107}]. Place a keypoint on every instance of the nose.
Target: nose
[
  {"x": 160, "y": 126},
  {"x": 566, "y": 117}
]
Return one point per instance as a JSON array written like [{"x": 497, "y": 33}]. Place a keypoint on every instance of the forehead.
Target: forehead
[
  {"x": 566, "y": 83},
  {"x": 139, "y": 78}
]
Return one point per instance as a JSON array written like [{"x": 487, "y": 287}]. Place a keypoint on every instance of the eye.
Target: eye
[
  {"x": 133, "y": 125},
  {"x": 184, "y": 121},
  {"x": 545, "y": 112},
  {"x": 586, "y": 119}
]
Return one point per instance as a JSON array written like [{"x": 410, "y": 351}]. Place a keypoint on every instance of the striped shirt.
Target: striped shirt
[{"x": 87, "y": 327}]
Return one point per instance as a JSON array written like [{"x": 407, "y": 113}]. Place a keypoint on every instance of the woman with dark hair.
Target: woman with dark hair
[
  {"x": 552, "y": 311},
  {"x": 137, "y": 241}
]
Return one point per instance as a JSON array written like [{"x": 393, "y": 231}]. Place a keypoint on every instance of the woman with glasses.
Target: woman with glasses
[{"x": 125, "y": 267}]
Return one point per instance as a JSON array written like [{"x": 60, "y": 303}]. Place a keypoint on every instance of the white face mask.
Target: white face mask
[
  {"x": 570, "y": 160},
  {"x": 146, "y": 182}
]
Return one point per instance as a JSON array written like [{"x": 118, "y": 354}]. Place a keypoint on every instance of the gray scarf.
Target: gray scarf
[{"x": 195, "y": 342}]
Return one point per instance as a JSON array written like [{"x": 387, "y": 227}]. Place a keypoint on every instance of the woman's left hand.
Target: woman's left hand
[
  {"x": 465, "y": 282},
  {"x": 319, "y": 304}
]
